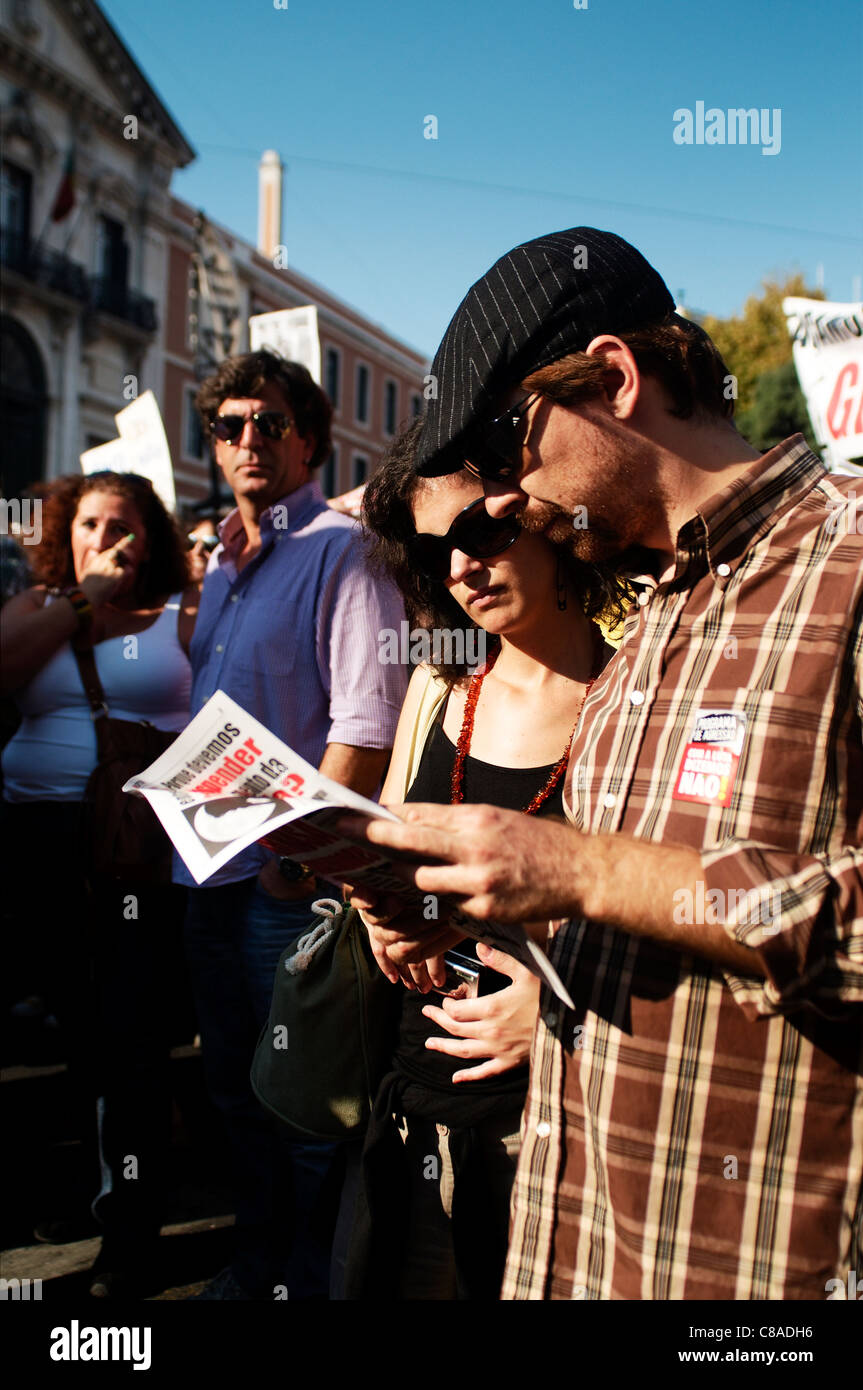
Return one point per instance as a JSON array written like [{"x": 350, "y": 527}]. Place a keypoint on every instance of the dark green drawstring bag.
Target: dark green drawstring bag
[{"x": 331, "y": 1031}]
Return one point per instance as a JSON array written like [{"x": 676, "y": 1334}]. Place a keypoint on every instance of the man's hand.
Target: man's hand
[
  {"x": 514, "y": 868},
  {"x": 497, "y": 1026},
  {"x": 497, "y": 864}
]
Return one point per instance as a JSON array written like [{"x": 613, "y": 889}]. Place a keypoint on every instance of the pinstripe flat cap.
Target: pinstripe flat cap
[{"x": 539, "y": 302}]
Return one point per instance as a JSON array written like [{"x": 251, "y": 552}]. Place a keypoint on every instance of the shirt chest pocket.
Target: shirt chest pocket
[{"x": 775, "y": 787}]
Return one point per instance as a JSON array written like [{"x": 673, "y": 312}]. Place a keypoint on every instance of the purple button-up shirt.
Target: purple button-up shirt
[{"x": 293, "y": 637}]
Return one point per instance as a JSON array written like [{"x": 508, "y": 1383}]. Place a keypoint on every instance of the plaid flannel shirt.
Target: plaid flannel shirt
[{"x": 689, "y": 1132}]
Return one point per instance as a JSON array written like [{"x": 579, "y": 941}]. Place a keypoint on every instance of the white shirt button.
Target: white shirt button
[
  {"x": 723, "y": 570},
  {"x": 235, "y": 598},
  {"x": 543, "y": 1129},
  {"x": 643, "y": 598},
  {"x": 219, "y": 647},
  {"x": 609, "y": 800},
  {"x": 636, "y": 697},
  {"x": 551, "y": 1020}
]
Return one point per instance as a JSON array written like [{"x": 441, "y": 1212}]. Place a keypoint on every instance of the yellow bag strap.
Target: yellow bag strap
[{"x": 434, "y": 694}]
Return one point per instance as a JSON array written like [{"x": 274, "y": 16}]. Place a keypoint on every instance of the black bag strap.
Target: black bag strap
[{"x": 95, "y": 694}]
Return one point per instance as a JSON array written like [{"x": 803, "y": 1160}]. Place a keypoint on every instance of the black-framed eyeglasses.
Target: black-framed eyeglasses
[
  {"x": 272, "y": 424},
  {"x": 493, "y": 450},
  {"x": 473, "y": 532}
]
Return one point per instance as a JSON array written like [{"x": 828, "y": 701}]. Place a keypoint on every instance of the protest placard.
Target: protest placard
[{"x": 293, "y": 333}]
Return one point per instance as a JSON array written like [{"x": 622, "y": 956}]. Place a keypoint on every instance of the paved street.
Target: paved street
[{"x": 46, "y": 1175}]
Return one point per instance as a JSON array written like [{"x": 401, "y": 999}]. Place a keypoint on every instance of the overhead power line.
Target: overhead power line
[{"x": 682, "y": 214}]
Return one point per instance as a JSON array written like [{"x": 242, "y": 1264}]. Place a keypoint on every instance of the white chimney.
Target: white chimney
[{"x": 270, "y": 172}]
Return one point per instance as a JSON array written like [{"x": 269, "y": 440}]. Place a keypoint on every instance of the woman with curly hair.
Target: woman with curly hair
[
  {"x": 441, "y": 1150},
  {"x": 112, "y": 578}
]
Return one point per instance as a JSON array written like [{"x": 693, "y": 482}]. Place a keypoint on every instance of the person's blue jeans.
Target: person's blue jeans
[{"x": 286, "y": 1193}]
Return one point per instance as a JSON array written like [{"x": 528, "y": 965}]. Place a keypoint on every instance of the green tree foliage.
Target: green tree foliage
[
  {"x": 778, "y": 410},
  {"x": 756, "y": 341}
]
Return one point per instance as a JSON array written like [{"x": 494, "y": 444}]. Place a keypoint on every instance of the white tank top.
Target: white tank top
[{"x": 144, "y": 676}]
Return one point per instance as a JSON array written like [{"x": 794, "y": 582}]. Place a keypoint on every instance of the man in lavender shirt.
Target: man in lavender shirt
[{"x": 288, "y": 626}]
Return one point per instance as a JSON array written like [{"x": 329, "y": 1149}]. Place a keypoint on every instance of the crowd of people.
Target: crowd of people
[{"x": 655, "y": 769}]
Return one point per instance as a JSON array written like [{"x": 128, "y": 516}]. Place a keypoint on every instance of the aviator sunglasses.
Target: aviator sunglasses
[
  {"x": 272, "y": 424},
  {"x": 473, "y": 532},
  {"x": 493, "y": 450},
  {"x": 209, "y": 543}
]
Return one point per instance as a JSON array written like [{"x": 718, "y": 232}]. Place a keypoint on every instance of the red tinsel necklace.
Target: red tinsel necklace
[{"x": 464, "y": 738}]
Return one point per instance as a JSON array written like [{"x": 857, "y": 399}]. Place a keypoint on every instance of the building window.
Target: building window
[
  {"x": 330, "y": 473},
  {"x": 391, "y": 396},
  {"x": 332, "y": 375},
  {"x": 359, "y": 470},
  {"x": 111, "y": 281},
  {"x": 194, "y": 441},
  {"x": 112, "y": 252},
  {"x": 16, "y": 187},
  {"x": 362, "y": 397},
  {"x": 23, "y": 407},
  {"x": 416, "y": 406}
]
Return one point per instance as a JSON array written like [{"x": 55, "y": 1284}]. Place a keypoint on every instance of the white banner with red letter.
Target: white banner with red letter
[{"x": 828, "y": 355}]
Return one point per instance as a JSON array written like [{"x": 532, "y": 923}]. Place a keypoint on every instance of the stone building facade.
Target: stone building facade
[{"x": 96, "y": 256}]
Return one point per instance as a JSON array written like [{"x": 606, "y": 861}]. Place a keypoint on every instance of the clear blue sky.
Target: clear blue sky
[{"x": 548, "y": 117}]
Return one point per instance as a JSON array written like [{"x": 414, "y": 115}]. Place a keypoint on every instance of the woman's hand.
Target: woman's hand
[
  {"x": 107, "y": 572},
  {"x": 497, "y": 1026},
  {"x": 377, "y": 911}
]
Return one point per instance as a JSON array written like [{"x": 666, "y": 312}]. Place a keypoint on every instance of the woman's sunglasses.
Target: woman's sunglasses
[
  {"x": 272, "y": 424},
  {"x": 208, "y": 542},
  {"x": 493, "y": 450},
  {"x": 473, "y": 532}
]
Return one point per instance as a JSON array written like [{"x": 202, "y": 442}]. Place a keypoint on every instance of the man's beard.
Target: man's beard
[{"x": 593, "y": 542}]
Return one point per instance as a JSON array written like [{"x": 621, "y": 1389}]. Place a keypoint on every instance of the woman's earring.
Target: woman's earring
[{"x": 561, "y": 584}]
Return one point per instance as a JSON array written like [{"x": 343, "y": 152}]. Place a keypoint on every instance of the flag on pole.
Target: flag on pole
[{"x": 65, "y": 199}]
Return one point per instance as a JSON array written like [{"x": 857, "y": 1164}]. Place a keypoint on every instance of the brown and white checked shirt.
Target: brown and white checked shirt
[{"x": 690, "y": 1133}]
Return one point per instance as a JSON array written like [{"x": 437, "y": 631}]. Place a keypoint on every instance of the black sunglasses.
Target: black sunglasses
[
  {"x": 272, "y": 424},
  {"x": 493, "y": 450},
  {"x": 473, "y": 532}
]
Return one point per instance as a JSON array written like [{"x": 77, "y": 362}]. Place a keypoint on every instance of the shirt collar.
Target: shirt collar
[
  {"x": 298, "y": 509},
  {"x": 730, "y": 522},
  {"x": 738, "y": 516}
]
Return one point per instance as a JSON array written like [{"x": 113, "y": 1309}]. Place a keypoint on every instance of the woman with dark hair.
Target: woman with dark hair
[
  {"x": 442, "y": 1146},
  {"x": 113, "y": 581}
]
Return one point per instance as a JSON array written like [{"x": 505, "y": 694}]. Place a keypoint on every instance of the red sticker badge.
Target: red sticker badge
[{"x": 709, "y": 763}]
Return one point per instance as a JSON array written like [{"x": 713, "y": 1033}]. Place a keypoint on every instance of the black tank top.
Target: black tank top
[{"x": 512, "y": 788}]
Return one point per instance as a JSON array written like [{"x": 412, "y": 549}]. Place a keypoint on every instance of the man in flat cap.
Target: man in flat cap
[{"x": 693, "y": 1127}]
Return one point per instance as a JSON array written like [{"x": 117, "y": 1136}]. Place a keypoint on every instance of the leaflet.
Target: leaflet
[{"x": 227, "y": 782}]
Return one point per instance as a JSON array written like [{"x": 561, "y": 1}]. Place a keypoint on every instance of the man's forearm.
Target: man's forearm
[
  {"x": 502, "y": 864},
  {"x": 631, "y": 884},
  {"x": 361, "y": 769}
]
